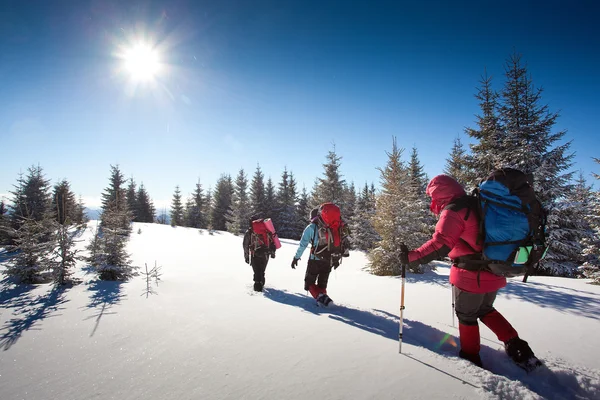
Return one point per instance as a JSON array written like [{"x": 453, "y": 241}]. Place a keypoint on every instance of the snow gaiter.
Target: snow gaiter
[
  {"x": 499, "y": 325},
  {"x": 469, "y": 338}
]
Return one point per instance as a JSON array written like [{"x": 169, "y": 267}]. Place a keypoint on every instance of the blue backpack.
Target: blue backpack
[{"x": 512, "y": 224}]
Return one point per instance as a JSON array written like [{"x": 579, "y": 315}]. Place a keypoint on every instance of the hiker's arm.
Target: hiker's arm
[
  {"x": 307, "y": 235},
  {"x": 246, "y": 243},
  {"x": 447, "y": 233}
]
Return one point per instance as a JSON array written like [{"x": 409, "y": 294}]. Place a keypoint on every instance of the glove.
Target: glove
[
  {"x": 336, "y": 263},
  {"x": 247, "y": 259},
  {"x": 273, "y": 255},
  {"x": 295, "y": 263},
  {"x": 403, "y": 254}
]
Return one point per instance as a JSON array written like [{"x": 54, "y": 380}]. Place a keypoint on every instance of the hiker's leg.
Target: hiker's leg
[
  {"x": 495, "y": 321},
  {"x": 467, "y": 307},
  {"x": 324, "y": 271},
  {"x": 310, "y": 278},
  {"x": 259, "y": 264}
]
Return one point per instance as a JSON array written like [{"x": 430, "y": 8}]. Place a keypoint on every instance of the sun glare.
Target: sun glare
[{"x": 142, "y": 62}]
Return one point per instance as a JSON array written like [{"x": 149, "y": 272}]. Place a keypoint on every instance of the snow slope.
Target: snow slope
[{"x": 204, "y": 334}]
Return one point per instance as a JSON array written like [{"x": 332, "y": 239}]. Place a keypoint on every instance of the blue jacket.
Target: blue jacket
[{"x": 308, "y": 236}]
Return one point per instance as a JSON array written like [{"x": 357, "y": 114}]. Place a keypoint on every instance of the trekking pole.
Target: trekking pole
[
  {"x": 452, "y": 306},
  {"x": 403, "y": 248}
]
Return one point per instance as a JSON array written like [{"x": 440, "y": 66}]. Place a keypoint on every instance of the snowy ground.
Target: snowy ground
[{"x": 204, "y": 334}]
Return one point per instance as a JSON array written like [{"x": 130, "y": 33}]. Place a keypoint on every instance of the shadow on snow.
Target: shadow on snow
[
  {"x": 105, "y": 294},
  {"x": 562, "y": 383}
]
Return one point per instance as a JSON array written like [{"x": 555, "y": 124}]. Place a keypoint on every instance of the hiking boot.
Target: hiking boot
[
  {"x": 258, "y": 286},
  {"x": 474, "y": 358},
  {"x": 323, "y": 300},
  {"x": 519, "y": 351}
]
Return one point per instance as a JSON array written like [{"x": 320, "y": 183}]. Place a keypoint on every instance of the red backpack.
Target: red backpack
[
  {"x": 331, "y": 231},
  {"x": 261, "y": 237}
]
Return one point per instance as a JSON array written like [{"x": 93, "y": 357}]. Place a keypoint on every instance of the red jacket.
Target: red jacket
[{"x": 454, "y": 236}]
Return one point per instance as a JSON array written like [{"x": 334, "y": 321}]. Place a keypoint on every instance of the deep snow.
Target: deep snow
[{"x": 204, "y": 334}]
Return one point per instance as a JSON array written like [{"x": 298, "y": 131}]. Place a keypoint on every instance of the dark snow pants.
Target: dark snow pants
[
  {"x": 317, "y": 272},
  {"x": 259, "y": 265},
  {"x": 470, "y": 307}
]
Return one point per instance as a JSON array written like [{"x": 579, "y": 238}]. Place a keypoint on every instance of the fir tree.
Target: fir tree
[
  {"x": 240, "y": 213},
  {"x": 398, "y": 216},
  {"x": 486, "y": 152},
  {"x": 257, "y": 194},
  {"x": 145, "y": 210},
  {"x": 591, "y": 245},
  {"x": 131, "y": 196},
  {"x": 271, "y": 205},
  {"x": 176, "y": 208},
  {"x": 364, "y": 235},
  {"x": 65, "y": 254},
  {"x": 331, "y": 187},
  {"x": 457, "y": 165},
  {"x": 350, "y": 203},
  {"x": 418, "y": 177},
  {"x": 286, "y": 199},
  {"x": 222, "y": 201},
  {"x": 65, "y": 205},
  {"x": 4, "y": 225},
  {"x": 31, "y": 198},
  {"x": 114, "y": 196},
  {"x": 302, "y": 214}
]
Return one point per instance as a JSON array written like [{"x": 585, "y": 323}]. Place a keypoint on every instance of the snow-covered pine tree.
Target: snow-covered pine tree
[
  {"x": 302, "y": 213},
  {"x": 286, "y": 200},
  {"x": 350, "y": 202},
  {"x": 31, "y": 197},
  {"x": 364, "y": 235},
  {"x": 416, "y": 172},
  {"x": 64, "y": 204},
  {"x": 331, "y": 187},
  {"x": 33, "y": 242},
  {"x": 130, "y": 194},
  {"x": 457, "y": 165},
  {"x": 240, "y": 213},
  {"x": 176, "y": 212},
  {"x": 486, "y": 152},
  {"x": 114, "y": 191},
  {"x": 4, "y": 225},
  {"x": 257, "y": 194},
  {"x": 398, "y": 218},
  {"x": 271, "y": 206},
  {"x": 111, "y": 260},
  {"x": 570, "y": 227},
  {"x": 64, "y": 254},
  {"x": 145, "y": 207},
  {"x": 221, "y": 202},
  {"x": 591, "y": 246}
]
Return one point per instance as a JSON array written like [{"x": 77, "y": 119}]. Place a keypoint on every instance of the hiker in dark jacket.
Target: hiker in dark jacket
[
  {"x": 455, "y": 236},
  {"x": 257, "y": 255}
]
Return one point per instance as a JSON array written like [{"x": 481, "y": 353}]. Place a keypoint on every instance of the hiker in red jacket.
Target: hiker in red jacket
[{"x": 475, "y": 291}]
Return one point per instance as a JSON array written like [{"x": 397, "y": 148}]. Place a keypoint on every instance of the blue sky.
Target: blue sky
[{"x": 274, "y": 83}]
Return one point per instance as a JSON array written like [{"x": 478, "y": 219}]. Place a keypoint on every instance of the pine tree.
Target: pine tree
[
  {"x": 4, "y": 224},
  {"x": 457, "y": 165},
  {"x": 257, "y": 194},
  {"x": 364, "y": 235},
  {"x": 350, "y": 203},
  {"x": 486, "y": 152},
  {"x": 271, "y": 205},
  {"x": 65, "y": 254},
  {"x": 64, "y": 204},
  {"x": 176, "y": 208},
  {"x": 591, "y": 245},
  {"x": 31, "y": 198},
  {"x": 131, "y": 196},
  {"x": 286, "y": 200},
  {"x": 222, "y": 201},
  {"x": 398, "y": 216},
  {"x": 114, "y": 196},
  {"x": 145, "y": 210},
  {"x": 418, "y": 177},
  {"x": 302, "y": 214},
  {"x": 330, "y": 188},
  {"x": 240, "y": 214}
]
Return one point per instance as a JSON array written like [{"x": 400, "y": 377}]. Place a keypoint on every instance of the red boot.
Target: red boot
[
  {"x": 500, "y": 326},
  {"x": 470, "y": 343}
]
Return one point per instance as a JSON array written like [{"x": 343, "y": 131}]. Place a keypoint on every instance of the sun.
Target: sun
[{"x": 141, "y": 61}]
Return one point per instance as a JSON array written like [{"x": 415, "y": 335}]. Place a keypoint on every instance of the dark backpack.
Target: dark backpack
[
  {"x": 331, "y": 231},
  {"x": 512, "y": 223}
]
